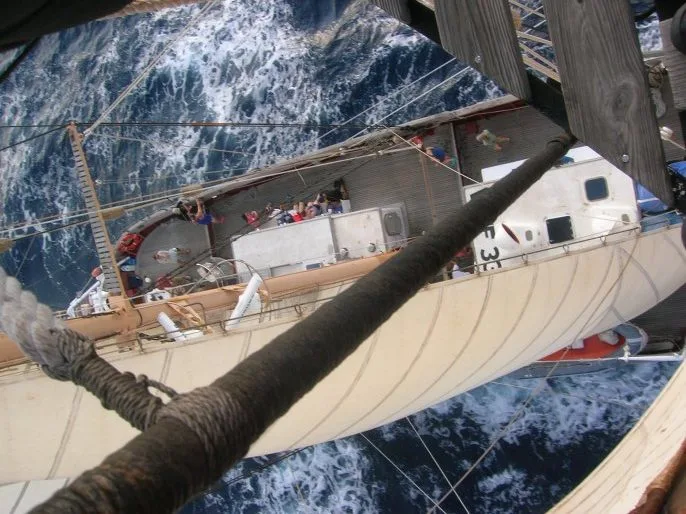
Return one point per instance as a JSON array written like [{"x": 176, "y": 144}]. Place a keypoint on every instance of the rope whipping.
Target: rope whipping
[
  {"x": 68, "y": 356},
  {"x": 200, "y": 434}
]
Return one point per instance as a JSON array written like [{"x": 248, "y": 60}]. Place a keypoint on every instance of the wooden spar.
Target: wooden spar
[
  {"x": 108, "y": 262},
  {"x": 675, "y": 62},
  {"x": 397, "y": 8},
  {"x": 143, "y": 6},
  {"x": 604, "y": 82},
  {"x": 223, "y": 298},
  {"x": 482, "y": 35},
  {"x": 545, "y": 66},
  {"x": 528, "y": 9},
  {"x": 531, "y": 63},
  {"x": 606, "y": 88}
]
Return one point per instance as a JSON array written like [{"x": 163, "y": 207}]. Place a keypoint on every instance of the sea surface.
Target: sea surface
[{"x": 284, "y": 71}]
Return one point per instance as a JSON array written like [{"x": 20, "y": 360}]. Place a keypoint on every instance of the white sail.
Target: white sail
[
  {"x": 451, "y": 337},
  {"x": 618, "y": 483}
]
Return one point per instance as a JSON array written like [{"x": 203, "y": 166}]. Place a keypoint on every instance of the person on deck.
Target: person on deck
[
  {"x": 437, "y": 153},
  {"x": 251, "y": 218},
  {"x": 203, "y": 217},
  {"x": 171, "y": 256},
  {"x": 334, "y": 197},
  {"x": 184, "y": 211},
  {"x": 488, "y": 138},
  {"x": 313, "y": 210}
]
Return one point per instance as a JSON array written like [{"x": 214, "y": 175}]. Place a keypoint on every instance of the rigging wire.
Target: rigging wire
[
  {"x": 148, "y": 68},
  {"x": 614, "y": 401},
  {"x": 396, "y": 92},
  {"x": 178, "y": 190},
  {"x": 37, "y": 125},
  {"x": 77, "y": 214},
  {"x": 418, "y": 149},
  {"x": 32, "y": 138},
  {"x": 426, "y": 495},
  {"x": 456, "y": 76},
  {"x": 171, "y": 143},
  {"x": 153, "y": 198},
  {"x": 437, "y": 464},
  {"x": 536, "y": 391},
  {"x": 26, "y": 254},
  {"x": 44, "y": 232},
  {"x": 250, "y": 124}
]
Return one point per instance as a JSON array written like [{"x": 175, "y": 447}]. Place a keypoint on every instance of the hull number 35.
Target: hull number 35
[{"x": 491, "y": 255}]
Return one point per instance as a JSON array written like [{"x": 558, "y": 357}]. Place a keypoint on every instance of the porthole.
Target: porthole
[{"x": 596, "y": 189}]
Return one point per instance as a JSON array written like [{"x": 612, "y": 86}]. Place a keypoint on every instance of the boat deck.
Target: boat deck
[
  {"x": 169, "y": 234},
  {"x": 377, "y": 172}
]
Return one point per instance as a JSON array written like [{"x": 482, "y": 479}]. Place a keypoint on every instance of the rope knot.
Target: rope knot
[
  {"x": 211, "y": 410},
  {"x": 70, "y": 350},
  {"x": 162, "y": 388}
]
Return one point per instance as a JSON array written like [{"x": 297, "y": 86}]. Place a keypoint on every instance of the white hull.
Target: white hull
[{"x": 451, "y": 337}]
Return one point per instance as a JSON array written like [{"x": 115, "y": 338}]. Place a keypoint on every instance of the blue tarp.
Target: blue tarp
[{"x": 647, "y": 201}]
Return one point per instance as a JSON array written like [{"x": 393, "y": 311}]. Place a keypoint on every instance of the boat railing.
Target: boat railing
[
  {"x": 142, "y": 342},
  {"x": 523, "y": 257},
  {"x": 646, "y": 224}
]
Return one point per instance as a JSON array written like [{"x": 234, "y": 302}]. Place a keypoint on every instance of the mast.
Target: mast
[{"x": 113, "y": 281}]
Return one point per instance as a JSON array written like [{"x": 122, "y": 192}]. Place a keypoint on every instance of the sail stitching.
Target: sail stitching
[
  {"x": 553, "y": 315},
  {"x": 68, "y": 429},
  {"x": 516, "y": 416},
  {"x": 508, "y": 335},
  {"x": 346, "y": 394},
  {"x": 420, "y": 352},
  {"x": 484, "y": 307}
]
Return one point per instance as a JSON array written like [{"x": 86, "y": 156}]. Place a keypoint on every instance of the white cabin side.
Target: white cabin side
[
  {"x": 321, "y": 241},
  {"x": 572, "y": 203}
]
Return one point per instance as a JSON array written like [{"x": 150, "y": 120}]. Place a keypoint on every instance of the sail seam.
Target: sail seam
[
  {"x": 166, "y": 365},
  {"x": 66, "y": 435},
  {"x": 504, "y": 341},
  {"x": 420, "y": 351},
  {"x": 643, "y": 272},
  {"x": 351, "y": 388},
  {"x": 484, "y": 307},
  {"x": 20, "y": 497},
  {"x": 551, "y": 317}
]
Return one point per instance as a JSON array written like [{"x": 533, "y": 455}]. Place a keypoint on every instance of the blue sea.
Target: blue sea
[{"x": 282, "y": 64}]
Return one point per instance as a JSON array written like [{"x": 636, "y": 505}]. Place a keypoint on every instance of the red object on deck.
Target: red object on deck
[
  {"x": 594, "y": 348},
  {"x": 129, "y": 244}
]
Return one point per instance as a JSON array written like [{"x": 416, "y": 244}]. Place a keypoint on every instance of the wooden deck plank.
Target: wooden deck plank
[
  {"x": 482, "y": 35},
  {"x": 606, "y": 88},
  {"x": 397, "y": 8},
  {"x": 675, "y": 62}
]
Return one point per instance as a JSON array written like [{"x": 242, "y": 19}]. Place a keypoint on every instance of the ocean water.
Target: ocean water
[{"x": 289, "y": 62}]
